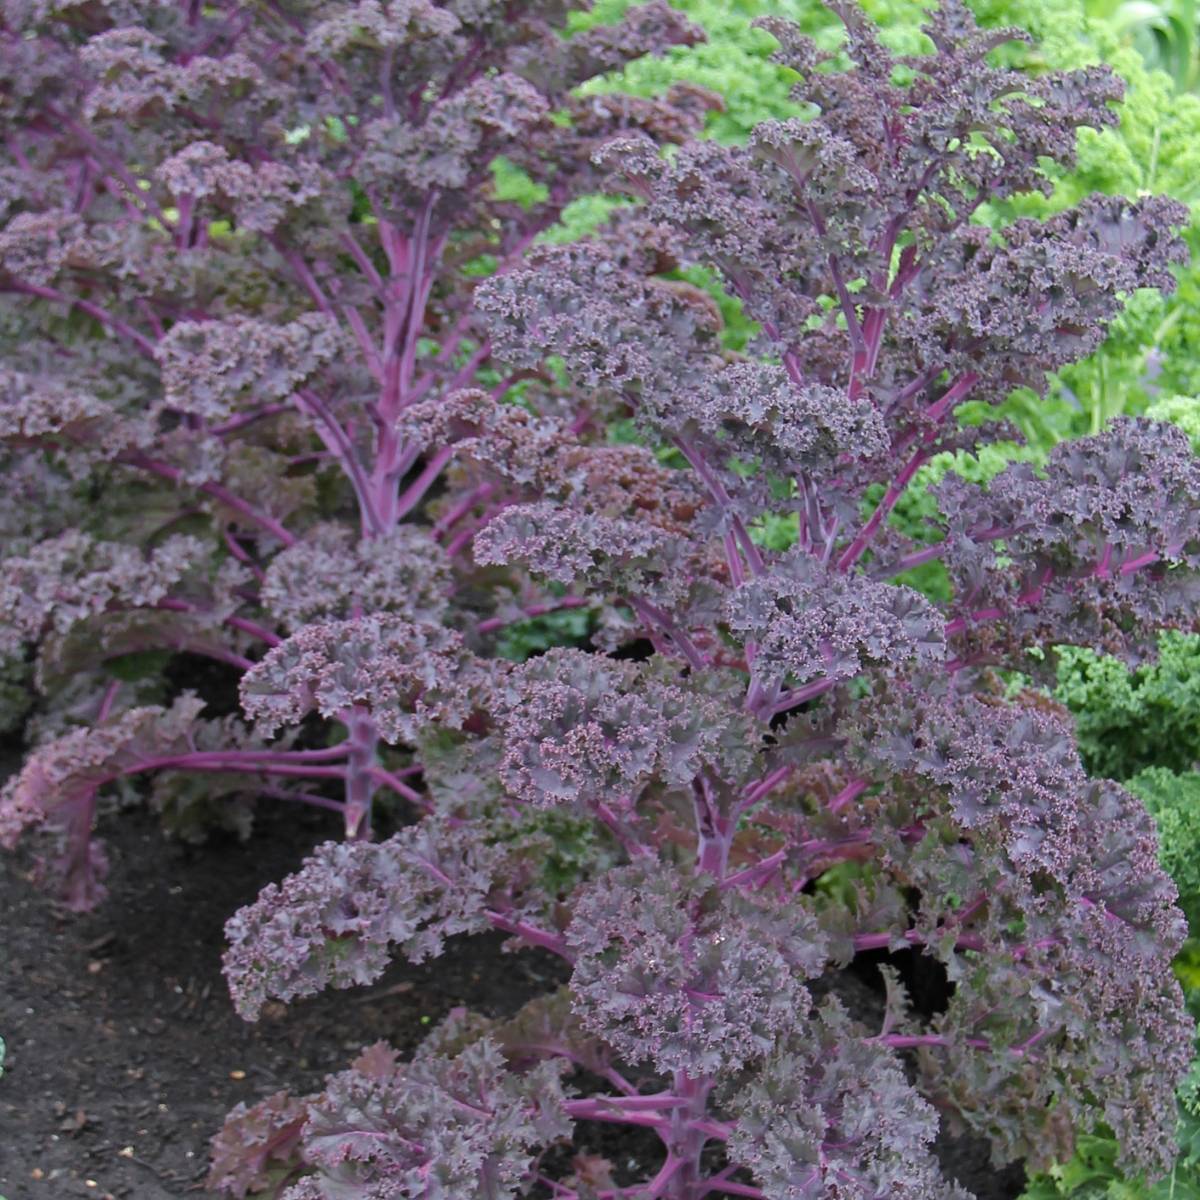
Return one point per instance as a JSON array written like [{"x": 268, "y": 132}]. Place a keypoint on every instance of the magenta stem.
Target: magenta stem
[
  {"x": 222, "y": 762},
  {"x": 535, "y": 936},
  {"x": 735, "y": 1189},
  {"x": 890, "y": 499},
  {"x": 226, "y": 497},
  {"x": 125, "y": 330},
  {"x": 337, "y": 441},
  {"x": 654, "y": 617},
  {"x": 652, "y": 1103},
  {"x": 667, "y": 1172},
  {"x": 910, "y": 1041},
  {"x": 416, "y": 490},
  {"x": 916, "y": 559},
  {"x": 361, "y": 765},
  {"x": 801, "y": 695},
  {"x": 107, "y": 701},
  {"x": 533, "y": 610},
  {"x": 762, "y": 787},
  {"x": 880, "y": 941},
  {"x": 848, "y": 794},
  {"x": 240, "y": 422},
  {"x": 620, "y": 829},
  {"x": 309, "y": 798},
  {"x": 460, "y": 509},
  {"x": 384, "y": 776},
  {"x": 295, "y": 260},
  {"x": 761, "y": 870},
  {"x": 716, "y": 488},
  {"x": 583, "y": 1110},
  {"x": 935, "y": 414},
  {"x": 362, "y": 260},
  {"x": 1136, "y": 564},
  {"x": 255, "y": 630}
]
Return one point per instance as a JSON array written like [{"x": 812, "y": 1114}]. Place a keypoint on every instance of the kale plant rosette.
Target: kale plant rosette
[
  {"x": 239, "y": 251},
  {"x": 659, "y": 812}
]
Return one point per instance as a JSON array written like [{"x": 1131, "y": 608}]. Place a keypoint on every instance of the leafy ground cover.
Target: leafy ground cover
[{"x": 284, "y": 601}]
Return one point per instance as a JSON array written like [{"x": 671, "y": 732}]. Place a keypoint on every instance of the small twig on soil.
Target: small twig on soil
[{"x": 397, "y": 989}]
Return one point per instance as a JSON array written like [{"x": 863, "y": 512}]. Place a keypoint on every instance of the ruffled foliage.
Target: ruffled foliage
[
  {"x": 451, "y": 1124},
  {"x": 256, "y": 1145},
  {"x": 668, "y": 970},
  {"x": 212, "y": 368},
  {"x": 329, "y": 572},
  {"x": 400, "y": 672},
  {"x": 237, "y": 249},
  {"x": 56, "y": 790},
  {"x": 832, "y": 1115},
  {"x": 334, "y": 922},
  {"x": 809, "y": 622},
  {"x": 64, "y": 580},
  {"x": 1071, "y": 864},
  {"x": 583, "y": 732},
  {"x": 292, "y": 245},
  {"x": 792, "y": 760}
]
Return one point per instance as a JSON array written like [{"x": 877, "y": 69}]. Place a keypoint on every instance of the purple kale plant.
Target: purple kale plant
[
  {"x": 778, "y": 769},
  {"x": 239, "y": 255}
]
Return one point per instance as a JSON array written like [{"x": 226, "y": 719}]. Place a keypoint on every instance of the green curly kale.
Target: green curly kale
[
  {"x": 1174, "y": 803},
  {"x": 1183, "y": 411},
  {"x": 1127, "y": 720}
]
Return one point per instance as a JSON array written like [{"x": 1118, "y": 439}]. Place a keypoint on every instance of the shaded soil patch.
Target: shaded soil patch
[{"x": 124, "y": 1053}]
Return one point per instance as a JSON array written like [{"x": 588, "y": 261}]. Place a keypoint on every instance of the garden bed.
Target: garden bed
[{"x": 124, "y": 1053}]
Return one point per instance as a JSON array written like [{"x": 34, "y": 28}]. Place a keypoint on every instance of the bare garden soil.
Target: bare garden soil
[{"x": 124, "y": 1053}]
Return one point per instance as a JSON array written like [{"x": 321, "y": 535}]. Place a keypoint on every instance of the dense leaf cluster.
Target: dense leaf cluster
[{"x": 235, "y": 271}]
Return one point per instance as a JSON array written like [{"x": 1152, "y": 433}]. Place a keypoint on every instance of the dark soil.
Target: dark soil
[
  {"x": 963, "y": 1158},
  {"x": 124, "y": 1053}
]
